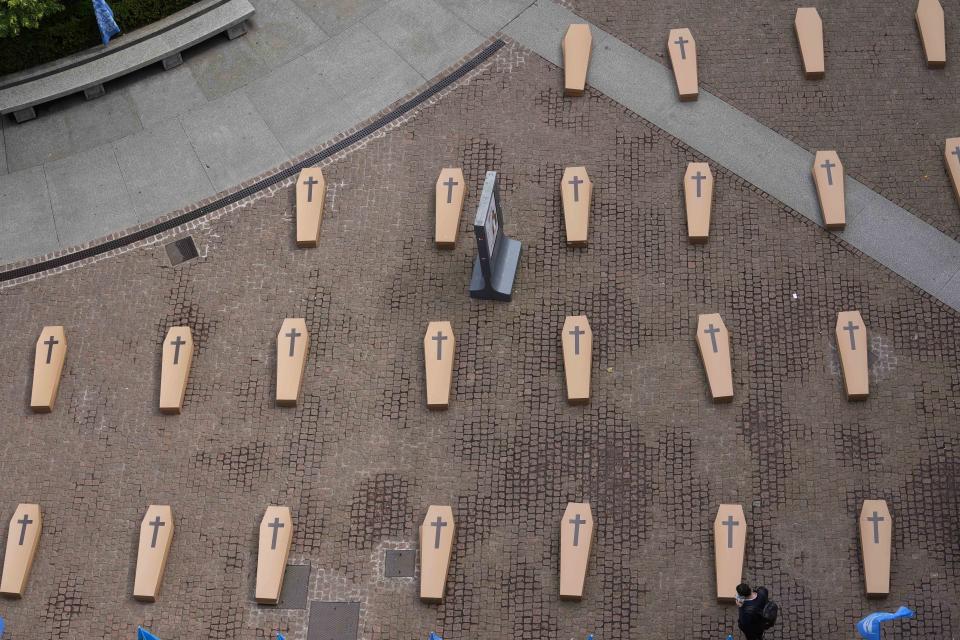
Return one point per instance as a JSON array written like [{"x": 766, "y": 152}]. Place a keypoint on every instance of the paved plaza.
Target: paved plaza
[{"x": 360, "y": 458}]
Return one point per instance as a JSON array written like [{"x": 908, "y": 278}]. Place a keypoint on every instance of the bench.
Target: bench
[{"x": 162, "y": 41}]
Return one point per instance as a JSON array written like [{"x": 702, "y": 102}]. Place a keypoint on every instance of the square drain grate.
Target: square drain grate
[
  {"x": 333, "y": 620},
  {"x": 296, "y": 583},
  {"x": 182, "y": 250},
  {"x": 400, "y": 563}
]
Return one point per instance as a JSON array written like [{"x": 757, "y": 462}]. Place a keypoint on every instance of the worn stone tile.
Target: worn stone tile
[
  {"x": 336, "y": 16},
  {"x": 27, "y": 226},
  {"x": 290, "y": 100},
  {"x": 222, "y": 66},
  {"x": 162, "y": 95},
  {"x": 232, "y": 140},
  {"x": 337, "y": 64},
  {"x": 485, "y": 17},
  {"x": 71, "y": 125},
  {"x": 34, "y": 142},
  {"x": 426, "y": 35},
  {"x": 161, "y": 170},
  {"x": 280, "y": 31},
  {"x": 88, "y": 195}
]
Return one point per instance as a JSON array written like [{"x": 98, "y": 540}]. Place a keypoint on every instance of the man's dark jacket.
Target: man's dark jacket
[{"x": 751, "y": 620}]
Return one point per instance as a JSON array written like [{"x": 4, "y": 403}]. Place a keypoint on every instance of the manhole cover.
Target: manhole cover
[
  {"x": 333, "y": 620},
  {"x": 296, "y": 583},
  {"x": 400, "y": 563},
  {"x": 182, "y": 250}
]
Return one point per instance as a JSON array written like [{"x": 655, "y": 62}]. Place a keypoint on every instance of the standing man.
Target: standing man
[{"x": 757, "y": 612}]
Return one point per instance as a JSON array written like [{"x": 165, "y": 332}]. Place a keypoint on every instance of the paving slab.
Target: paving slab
[
  {"x": 222, "y": 66},
  {"x": 619, "y": 80},
  {"x": 950, "y": 294},
  {"x": 105, "y": 119},
  {"x": 88, "y": 196},
  {"x": 161, "y": 170},
  {"x": 336, "y": 16},
  {"x": 371, "y": 83},
  {"x": 289, "y": 100},
  {"x": 71, "y": 125},
  {"x": 294, "y": 122},
  {"x": 426, "y": 35},
  {"x": 349, "y": 72},
  {"x": 34, "y": 142},
  {"x": 541, "y": 27},
  {"x": 280, "y": 31},
  {"x": 904, "y": 244},
  {"x": 232, "y": 140},
  {"x": 26, "y": 226},
  {"x": 161, "y": 95},
  {"x": 486, "y": 17}
]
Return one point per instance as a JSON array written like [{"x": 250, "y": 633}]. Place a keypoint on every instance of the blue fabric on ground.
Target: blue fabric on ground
[
  {"x": 108, "y": 26},
  {"x": 869, "y": 627},
  {"x": 143, "y": 634}
]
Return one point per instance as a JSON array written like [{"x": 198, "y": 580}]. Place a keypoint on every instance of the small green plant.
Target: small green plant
[{"x": 24, "y": 14}]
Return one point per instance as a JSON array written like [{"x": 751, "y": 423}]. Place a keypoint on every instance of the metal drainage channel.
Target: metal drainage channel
[{"x": 246, "y": 192}]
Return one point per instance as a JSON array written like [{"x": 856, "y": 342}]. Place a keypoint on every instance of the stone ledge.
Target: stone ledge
[{"x": 95, "y": 71}]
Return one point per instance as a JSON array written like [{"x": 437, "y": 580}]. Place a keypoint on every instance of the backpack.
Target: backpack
[{"x": 769, "y": 613}]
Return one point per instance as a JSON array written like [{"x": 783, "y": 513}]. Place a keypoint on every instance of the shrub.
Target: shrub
[
  {"x": 24, "y": 14},
  {"x": 75, "y": 29}
]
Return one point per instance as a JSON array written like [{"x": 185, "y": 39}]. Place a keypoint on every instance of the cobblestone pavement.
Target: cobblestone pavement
[
  {"x": 360, "y": 458},
  {"x": 879, "y": 106}
]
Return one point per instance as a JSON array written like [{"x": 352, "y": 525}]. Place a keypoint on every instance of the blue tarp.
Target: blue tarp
[
  {"x": 869, "y": 627},
  {"x": 143, "y": 634},
  {"x": 1, "y": 626},
  {"x": 108, "y": 26}
]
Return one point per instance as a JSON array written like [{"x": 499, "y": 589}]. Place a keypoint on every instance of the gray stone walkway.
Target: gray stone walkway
[
  {"x": 309, "y": 69},
  {"x": 158, "y": 141}
]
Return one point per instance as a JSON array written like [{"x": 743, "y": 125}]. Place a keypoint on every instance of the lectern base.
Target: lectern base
[{"x": 504, "y": 271}]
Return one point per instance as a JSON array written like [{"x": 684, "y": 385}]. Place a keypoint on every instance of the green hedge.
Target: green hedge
[{"x": 75, "y": 29}]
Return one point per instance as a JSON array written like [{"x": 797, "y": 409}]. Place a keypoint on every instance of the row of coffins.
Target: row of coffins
[
  {"x": 176, "y": 359},
  {"x": 439, "y": 348},
  {"x": 713, "y": 343},
  {"x": 437, "y": 533},
  {"x": 577, "y": 46}
]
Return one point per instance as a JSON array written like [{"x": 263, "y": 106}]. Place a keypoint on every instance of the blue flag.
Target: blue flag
[
  {"x": 108, "y": 26},
  {"x": 143, "y": 634},
  {"x": 869, "y": 627}
]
